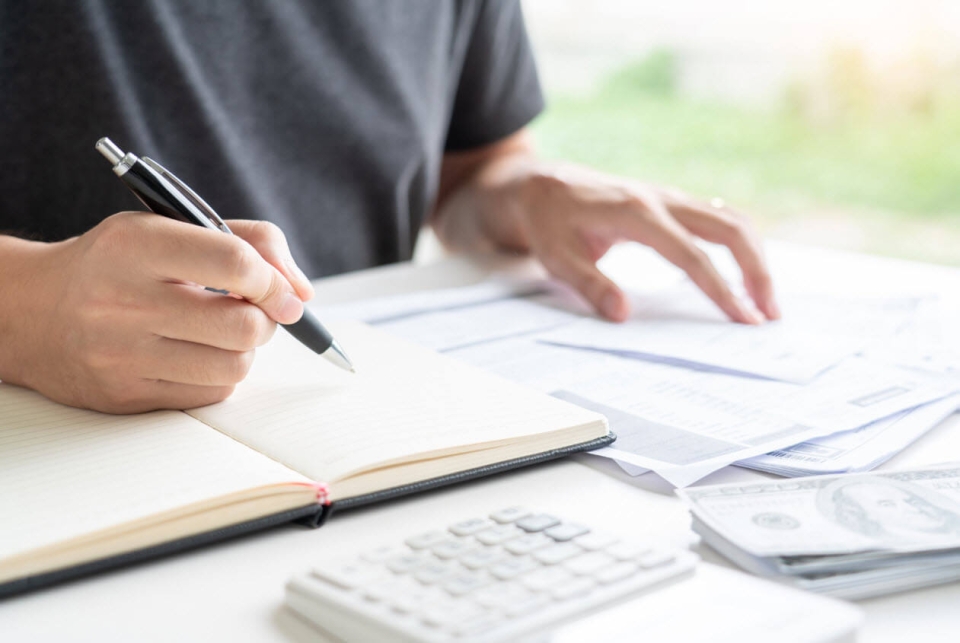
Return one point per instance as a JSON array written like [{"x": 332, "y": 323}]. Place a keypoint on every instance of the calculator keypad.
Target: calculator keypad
[{"x": 490, "y": 574}]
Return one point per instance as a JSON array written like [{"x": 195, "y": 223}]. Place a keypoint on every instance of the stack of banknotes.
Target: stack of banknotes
[{"x": 850, "y": 536}]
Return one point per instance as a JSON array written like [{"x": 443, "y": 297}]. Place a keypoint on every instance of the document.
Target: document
[
  {"x": 684, "y": 424},
  {"x": 859, "y": 450},
  {"x": 682, "y": 327}
]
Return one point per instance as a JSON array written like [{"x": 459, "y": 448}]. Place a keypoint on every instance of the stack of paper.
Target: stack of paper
[
  {"x": 837, "y": 386},
  {"x": 851, "y": 536}
]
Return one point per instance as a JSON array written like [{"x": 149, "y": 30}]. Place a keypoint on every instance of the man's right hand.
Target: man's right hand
[{"x": 114, "y": 320}]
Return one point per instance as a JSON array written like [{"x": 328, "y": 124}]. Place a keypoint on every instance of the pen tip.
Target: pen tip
[{"x": 337, "y": 356}]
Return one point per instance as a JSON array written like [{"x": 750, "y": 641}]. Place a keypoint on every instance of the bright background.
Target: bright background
[{"x": 832, "y": 122}]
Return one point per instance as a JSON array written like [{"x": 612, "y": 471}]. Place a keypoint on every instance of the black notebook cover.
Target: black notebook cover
[{"x": 312, "y": 516}]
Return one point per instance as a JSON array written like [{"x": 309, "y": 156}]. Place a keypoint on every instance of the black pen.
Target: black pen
[{"x": 165, "y": 194}]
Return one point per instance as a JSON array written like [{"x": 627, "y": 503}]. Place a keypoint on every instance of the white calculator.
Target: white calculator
[{"x": 511, "y": 575}]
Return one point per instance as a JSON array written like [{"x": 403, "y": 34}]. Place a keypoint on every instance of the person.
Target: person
[{"x": 346, "y": 125}]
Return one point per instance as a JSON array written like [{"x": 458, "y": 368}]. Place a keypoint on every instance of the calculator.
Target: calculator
[{"x": 513, "y": 574}]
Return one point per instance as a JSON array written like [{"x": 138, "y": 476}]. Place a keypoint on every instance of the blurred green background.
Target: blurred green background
[{"x": 847, "y": 157}]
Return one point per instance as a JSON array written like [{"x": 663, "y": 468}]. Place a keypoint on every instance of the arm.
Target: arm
[
  {"x": 113, "y": 320},
  {"x": 501, "y": 197}
]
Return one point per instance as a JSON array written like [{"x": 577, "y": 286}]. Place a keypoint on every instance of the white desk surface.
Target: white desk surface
[{"x": 234, "y": 591}]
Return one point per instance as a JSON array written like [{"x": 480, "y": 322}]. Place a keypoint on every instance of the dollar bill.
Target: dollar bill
[{"x": 899, "y": 511}]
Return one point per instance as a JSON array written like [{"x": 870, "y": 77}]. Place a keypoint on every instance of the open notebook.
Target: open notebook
[{"x": 81, "y": 491}]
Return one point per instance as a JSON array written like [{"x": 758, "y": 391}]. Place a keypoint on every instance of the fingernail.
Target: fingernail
[
  {"x": 291, "y": 310},
  {"x": 752, "y": 314},
  {"x": 610, "y": 306},
  {"x": 774, "y": 310},
  {"x": 296, "y": 272}
]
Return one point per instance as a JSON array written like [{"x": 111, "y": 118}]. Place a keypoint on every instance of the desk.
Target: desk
[{"x": 233, "y": 591}]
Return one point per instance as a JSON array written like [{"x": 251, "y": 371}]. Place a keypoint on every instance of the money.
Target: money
[{"x": 902, "y": 511}]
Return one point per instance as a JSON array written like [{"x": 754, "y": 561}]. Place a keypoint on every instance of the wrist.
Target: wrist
[{"x": 26, "y": 271}]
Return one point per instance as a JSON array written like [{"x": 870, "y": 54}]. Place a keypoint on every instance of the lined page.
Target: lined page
[
  {"x": 404, "y": 400},
  {"x": 66, "y": 472}
]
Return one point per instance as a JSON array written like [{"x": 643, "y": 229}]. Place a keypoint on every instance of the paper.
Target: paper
[
  {"x": 394, "y": 307},
  {"x": 891, "y": 511},
  {"x": 679, "y": 327},
  {"x": 858, "y": 450},
  {"x": 929, "y": 342},
  {"x": 686, "y": 424},
  {"x": 404, "y": 404},
  {"x": 67, "y": 472}
]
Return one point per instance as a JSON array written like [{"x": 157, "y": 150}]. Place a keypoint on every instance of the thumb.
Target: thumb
[
  {"x": 581, "y": 273},
  {"x": 268, "y": 240}
]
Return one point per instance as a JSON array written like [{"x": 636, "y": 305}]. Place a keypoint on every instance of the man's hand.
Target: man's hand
[
  {"x": 501, "y": 197},
  {"x": 114, "y": 320}
]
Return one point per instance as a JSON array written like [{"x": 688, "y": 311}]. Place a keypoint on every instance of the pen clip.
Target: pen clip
[{"x": 189, "y": 194}]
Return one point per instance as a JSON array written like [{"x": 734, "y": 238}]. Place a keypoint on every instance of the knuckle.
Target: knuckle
[
  {"x": 240, "y": 258},
  {"x": 265, "y": 232},
  {"x": 238, "y": 365},
  {"x": 250, "y": 327}
]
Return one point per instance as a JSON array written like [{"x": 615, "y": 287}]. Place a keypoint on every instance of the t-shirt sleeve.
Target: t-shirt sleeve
[{"x": 498, "y": 90}]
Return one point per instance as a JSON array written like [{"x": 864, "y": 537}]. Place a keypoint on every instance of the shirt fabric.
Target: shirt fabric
[{"x": 328, "y": 118}]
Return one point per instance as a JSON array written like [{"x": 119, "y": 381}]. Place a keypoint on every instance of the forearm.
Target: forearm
[{"x": 482, "y": 194}]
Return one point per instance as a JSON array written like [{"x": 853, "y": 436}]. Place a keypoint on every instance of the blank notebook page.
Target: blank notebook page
[
  {"x": 404, "y": 400},
  {"x": 66, "y": 472}
]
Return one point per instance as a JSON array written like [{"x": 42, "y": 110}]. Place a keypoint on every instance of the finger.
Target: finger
[
  {"x": 179, "y": 252},
  {"x": 271, "y": 243},
  {"x": 181, "y": 362},
  {"x": 664, "y": 234},
  {"x": 583, "y": 274},
  {"x": 729, "y": 228},
  {"x": 172, "y": 395},
  {"x": 191, "y": 314}
]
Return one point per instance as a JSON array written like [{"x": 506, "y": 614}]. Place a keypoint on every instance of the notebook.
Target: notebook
[{"x": 82, "y": 491}]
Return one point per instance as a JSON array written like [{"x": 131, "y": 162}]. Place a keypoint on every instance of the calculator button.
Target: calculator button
[
  {"x": 538, "y": 522},
  {"x": 483, "y": 557},
  {"x": 408, "y": 562},
  {"x": 386, "y": 589},
  {"x": 470, "y": 527},
  {"x": 589, "y": 563},
  {"x": 545, "y": 578},
  {"x": 501, "y": 594},
  {"x": 532, "y": 604},
  {"x": 478, "y": 625},
  {"x": 499, "y": 534},
  {"x": 572, "y": 589},
  {"x": 350, "y": 575},
  {"x": 466, "y": 582},
  {"x": 655, "y": 558},
  {"x": 415, "y": 599},
  {"x": 626, "y": 551},
  {"x": 513, "y": 567},
  {"x": 566, "y": 531},
  {"x": 527, "y": 544},
  {"x": 435, "y": 572},
  {"x": 510, "y": 514},
  {"x": 454, "y": 547},
  {"x": 449, "y": 613},
  {"x": 616, "y": 572},
  {"x": 557, "y": 553},
  {"x": 595, "y": 540},
  {"x": 427, "y": 540}
]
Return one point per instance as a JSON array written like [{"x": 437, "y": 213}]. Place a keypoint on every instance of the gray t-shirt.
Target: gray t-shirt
[{"x": 327, "y": 118}]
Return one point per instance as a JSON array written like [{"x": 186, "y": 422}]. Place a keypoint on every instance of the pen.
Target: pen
[{"x": 167, "y": 195}]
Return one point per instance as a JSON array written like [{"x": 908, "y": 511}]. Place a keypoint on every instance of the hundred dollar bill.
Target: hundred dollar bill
[{"x": 903, "y": 511}]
